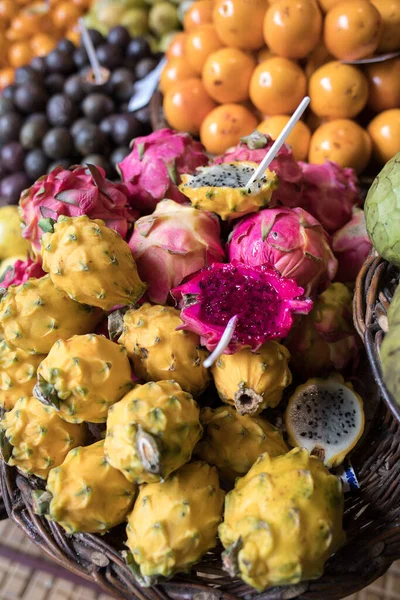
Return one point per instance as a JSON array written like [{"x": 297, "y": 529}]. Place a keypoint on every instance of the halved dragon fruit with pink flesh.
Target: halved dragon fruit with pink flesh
[
  {"x": 151, "y": 172},
  {"x": 290, "y": 240},
  {"x": 263, "y": 301},
  {"x": 351, "y": 246},
  {"x": 21, "y": 271},
  {"x": 74, "y": 192},
  {"x": 253, "y": 148}
]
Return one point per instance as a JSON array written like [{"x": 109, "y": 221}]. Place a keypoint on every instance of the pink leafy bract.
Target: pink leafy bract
[
  {"x": 21, "y": 271},
  {"x": 351, "y": 246}
]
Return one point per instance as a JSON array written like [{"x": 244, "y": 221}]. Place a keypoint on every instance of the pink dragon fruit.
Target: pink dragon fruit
[
  {"x": 290, "y": 240},
  {"x": 74, "y": 192},
  {"x": 253, "y": 148},
  {"x": 351, "y": 246},
  {"x": 173, "y": 243},
  {"x": 264, "y": 302},
  {"x": 151, "y": 172},
  {"x": 329, "y": 193},
  {"x": 21, "y": 271}
]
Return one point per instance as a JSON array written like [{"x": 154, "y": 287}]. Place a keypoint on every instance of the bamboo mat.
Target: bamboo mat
[{"x": 27, "y": 574}]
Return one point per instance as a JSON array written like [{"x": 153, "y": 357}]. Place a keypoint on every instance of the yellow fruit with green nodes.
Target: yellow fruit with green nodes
[
  {"x": 159, "y": 351},
  {"x": 282, "y": 521},
  {"x": 83, "y": 376},
  {"x": 91, "y": 263},
  {"x": 85, "y": 493},
  {"x": 34, "y": 315},
  {"x": 223, "y": 189},
  {"x": 17, "y": 374},
  {"x": 152, "y": 431},
  {"x": 252, "y": 381},
  {"x": 233, "y": 442},
  {"x": 173, "y": 524},
  {"x": 35, "y": 439}
]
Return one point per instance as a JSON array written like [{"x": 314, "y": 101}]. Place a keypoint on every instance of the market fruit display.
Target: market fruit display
[
  {"x": 390, "y": 348},
  {"x": 11, "y": 241},
  {"x": 18, "y": 374}
]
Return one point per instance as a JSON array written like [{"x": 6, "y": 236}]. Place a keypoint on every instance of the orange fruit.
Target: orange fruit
[
  {"x": 6, "y": 77},
  {"x": 176, "y": 69},
  {"x": 352, "y": 29},
  {"x": 327, "y": 4},
  {"x": 84, "y": 5},
  {"x": 177, "y": 46},
  {"x": 224, "y": 126},
  {"x": 318, "y": 57},
  {"x": 277, "y": 86},
  {"x": 220, "y": 75},
  {"x": 8, "y": 10},
  {"x": 292, "y": 28},
  {"x": 299, "y": 138},
  {"x": 198, "y": 14},
  {"x": 65, "y": 15},
  {"x": 338, "y": 91},
  {"x": 390, "y": 13},
  {"x": 19, "y": 54},
  {"x": 31, "y": 19},
  {"x": 3, "y": 49},
  {"x": 239, "y": 23},
  {"x": 42, "y": 43},
  {"x": 73, "y": 35},
  {"x": 384, "y": 130},
  {"x": 384, "y": 85},
  {"x": 264, "y": 53},
  {"x": 342, "y": 141},
  {"x": 186, "y": 104},
  {"x": 200, "y": 43}
]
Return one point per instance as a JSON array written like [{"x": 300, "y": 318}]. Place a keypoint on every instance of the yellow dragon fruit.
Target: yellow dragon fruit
[
  {"x": 252, "y": 381},
  {"x": 173, "y": 524},
  {"x": 158, "y": 351},
  {"x": 17, "y": 374},
  {"x": 233, "y": 442},
  {"x": 35, "y": 439},
  {"x": 34, "y": 315},
  {"x": 83, "y": 376},
  {"x": 282, "y": 521},
  {"x": 91, "y": 263},
  {"x": 152, "y": 431},
  {"x": 85, "y": 493}
]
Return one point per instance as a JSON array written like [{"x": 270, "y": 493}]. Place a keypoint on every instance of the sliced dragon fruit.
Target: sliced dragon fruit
[{"x": 263, "y": 301}]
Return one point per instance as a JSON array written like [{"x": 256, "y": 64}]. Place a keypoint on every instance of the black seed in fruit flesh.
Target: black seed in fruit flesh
[
  {"x": 54, "y": 83},
  {"x": 106, "y": 124},
  {"x": 144, "y": 67},
  {"x": 58, "y": 143},
  {"x": 9, "y": 92},
  {"x": 60, "y": 62},
  {"x": 138, "y": 48},
  {"x": 65, "y": 163},
  {"x": 31, "y": 97},
  {"x": 125, "y": 128},
  {"x": 81, "y": 58},
  {"x": 66, "y": 46},
  {"x": 97, "y": 106},
  {"x": 61, "y": 110},
  {"x": 119, "y": 35},
  {"x": 6, "y": 105},
  {"x": 99, "y": 161},
  {"x": 74, "y": 88},
  {"x": 10, "y": 126},
  {"x": 33, "y": 131},
  {"x": 110, "y": 56},
  {"x": 96, "y": 37},
  {"x": 78, "y": 125},
  {"x": 12, "y": 186},
  {"x": 90, "y": 140},
  {"x": 39, "y": 64},
  {"x": 12, "y": 156},
  {"x": 36, "y": 163},
  {"x": 143, "y": 115},
  {"x": 119, "y": 154},
  {"x": 27, "y": 74}
]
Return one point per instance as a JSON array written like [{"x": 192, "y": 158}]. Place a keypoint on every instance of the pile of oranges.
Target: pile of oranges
[
  {"x": 29, "y": 29},
  {"x": 242, "y": 64}
]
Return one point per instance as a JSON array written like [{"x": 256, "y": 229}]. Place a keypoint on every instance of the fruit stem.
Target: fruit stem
[{"x": 247, "y": 401}]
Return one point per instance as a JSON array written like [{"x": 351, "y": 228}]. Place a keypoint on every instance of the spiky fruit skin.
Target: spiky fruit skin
[
  {"x": 21, "y": 271},
  {"x": 36, "y": 314},
  {"x": 233, "y": 442},
  {"x": 17, "y": 374},
  {"x": 164, "y": 411},
  {"x": 160, "y": 351},
  {"x": 290, "y": 240},
  {"x": 74, "y": 192},
  {"x": 230, "y": 202},
  {"x": 89, "y": 495},
  {"x": 325, "y": 339},
  {"x": 153, "y": 169},
  {"x": 171, "y": 244},
  {"x": 285, "y": 518},
  {"x": 39, "y": 439},
  {"x": 173, "y": 524},
  {"x": 351, "y": 246},
  {"x": 83, "y": 376},
  {"x": 253, "y": 381},
  {"x": 91, "y": 263}
]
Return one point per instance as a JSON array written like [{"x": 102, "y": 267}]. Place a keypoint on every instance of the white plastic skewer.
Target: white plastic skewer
[
  {"x": 223, "y": 342},
  {"x": 280, "y": 140},
  {"x": 91, "y": 52}
]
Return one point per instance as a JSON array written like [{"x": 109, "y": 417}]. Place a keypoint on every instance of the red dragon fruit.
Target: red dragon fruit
[
  {"x": 21, "y": 271},
  {"x": 263, "y": 301},
  {"x": 173, "y": 243},
  {"x": 151, "y": 172},
  {"x": 74, "y": 192},
  {"x": 290, "y": 240},
  {"x": 329, "y": 193},
  {"x": 351, "y": 246},
  {"x": 253, "y": 148}
]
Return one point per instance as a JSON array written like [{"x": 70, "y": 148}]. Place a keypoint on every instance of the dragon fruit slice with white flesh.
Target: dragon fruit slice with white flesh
[{"x": 264, "y": 302}]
